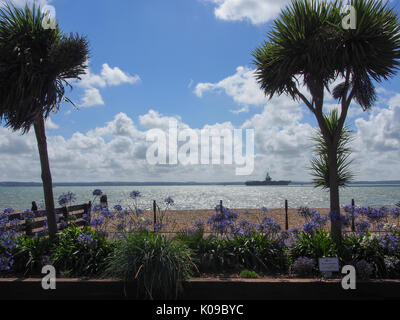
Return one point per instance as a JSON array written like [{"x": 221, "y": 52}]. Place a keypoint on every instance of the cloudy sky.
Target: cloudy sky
[{"x": 190, "y": 61}]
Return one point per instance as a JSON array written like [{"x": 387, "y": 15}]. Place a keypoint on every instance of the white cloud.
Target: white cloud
[
  {"x": 255, "y": 11},
  {"x": 92, "y": 98},
  {"x": 153, "y": 119},
  {"x": 115, "y": 76},
  {"x": 51, "y": 125},
  {"x": 108, "y": 76},
  {"x": 241, "y": 110},
  {"x": 241, "y": 87},
  {"x": 21, "y": 3}
]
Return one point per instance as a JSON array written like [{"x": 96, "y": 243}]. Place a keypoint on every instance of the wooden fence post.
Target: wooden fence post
[
  {"x": 88, "y": 210},
  {"x": 28, "y": 228},
  {"x": 220, "y": 206},
  {"x": 286, "y": 215},
  {"x": 155, "y": 213},
  {"x": 353, "y": 226}
]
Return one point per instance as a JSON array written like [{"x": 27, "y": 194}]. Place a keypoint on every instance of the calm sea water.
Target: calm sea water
[{"x": 206, "y": 197}]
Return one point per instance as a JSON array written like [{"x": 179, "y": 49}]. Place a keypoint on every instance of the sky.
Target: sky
[{"x": 189, "y": 61}]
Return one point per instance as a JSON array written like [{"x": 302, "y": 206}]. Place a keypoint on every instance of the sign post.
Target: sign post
[{"x": 328, "y": 265}]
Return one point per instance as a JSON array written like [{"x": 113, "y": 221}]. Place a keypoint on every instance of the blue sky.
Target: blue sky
[{"x": 189, "y": 60}]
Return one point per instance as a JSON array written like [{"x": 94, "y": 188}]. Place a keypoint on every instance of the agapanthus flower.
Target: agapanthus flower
[
  {"x": 135, "y": 194},
  {"x": 97, "y": 222},
  {"x": 395, "y": 213},
  {"x": 106, "y": 213},
  {"x": 97, "y": 192},
  {"x": 268, "y": 225},
  {"x": 139, "y": 211},
  {"x": 97, "y": 208},
  {"x": 6, "y": 261},
  {"x": 362, "y": 226},
  {"x": 66, "y": 198},
  {"x": 199, "y": 224},
  {"x": 310, "y": 227},
  {"x": 169, "y": 200},
  {"x": 264, "y": 209},
  {"x": 86, "y": 238},
  {"x": 27, "y": 215}
]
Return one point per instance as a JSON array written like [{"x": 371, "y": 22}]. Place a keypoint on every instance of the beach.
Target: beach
[{"x": 178, "y": 220}]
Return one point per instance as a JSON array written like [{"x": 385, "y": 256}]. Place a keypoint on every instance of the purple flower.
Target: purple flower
[
  {"x": 390, "y": 242},
  {"x": 97, "y": 222},
  {"x": 362, "y": 226},
  {"x": 97, "y": 192},
  {"x": 27, "y": 215},
  {"x": 199, "y": 224},
  {"x": 169, "y": 201},
  {"x": 268, "y": 225},
  {"x": 139, "y": 211},
  {"x": 86, "y": 238},
  {"x": 97, "y": 208},
  {"x": 135, "y": 194},
  {"x": 264, "y": 209},
  {"x": 117, "y": 207},
  {"x": 66, "y": 198},
  {"x": 106, "y": 214},
  {"x": 395, "y": 213},
  {"x": 309, "y": 227}
]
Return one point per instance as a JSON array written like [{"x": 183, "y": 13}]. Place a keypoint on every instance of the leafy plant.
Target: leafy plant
[
  {"x": 156, "y": 264},
  {"x": 249, "y": 274},
  {"x": 259, "y": 252},
  {"x": 364, "y": 247},
  {"x": 320, "y": 163},
  {"x": 313, "y": 245},
  {"x": 80, "y": 252},
  {"x": 31, "y": 254}
]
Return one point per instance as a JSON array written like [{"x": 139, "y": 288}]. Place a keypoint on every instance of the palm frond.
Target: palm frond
[
  {"x": 35, "y": 64},
  {"x": 320, "y": 163}
]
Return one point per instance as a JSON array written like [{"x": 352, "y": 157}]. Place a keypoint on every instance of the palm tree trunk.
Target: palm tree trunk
[
  {"x": 40, "y": 133},
  {"x": 336, "y": 225}
]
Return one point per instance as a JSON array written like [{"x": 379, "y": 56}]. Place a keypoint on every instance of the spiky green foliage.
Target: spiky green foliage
[
  {"x": 35, "y": 66},
  {"x": 320, "y": 164},
  {"x": 157, "y": 264},
  {"x": 308, "y": 42},
  {"x": 300, "y": 44}
]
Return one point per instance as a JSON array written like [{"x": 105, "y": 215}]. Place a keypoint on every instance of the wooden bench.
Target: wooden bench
[{"x": 65, "y": 215}]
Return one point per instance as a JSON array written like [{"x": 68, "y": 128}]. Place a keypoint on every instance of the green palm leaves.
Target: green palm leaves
[
  {"x": 320, "y": 163},
  {"x": 308, "y": 43},
  {"x": 35, "y": 65}
]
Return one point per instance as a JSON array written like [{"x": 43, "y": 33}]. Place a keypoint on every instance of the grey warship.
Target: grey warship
[{"x": 267, "y": 182}]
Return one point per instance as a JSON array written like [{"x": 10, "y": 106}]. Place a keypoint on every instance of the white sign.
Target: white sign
[{"x": 328, "y": 264}]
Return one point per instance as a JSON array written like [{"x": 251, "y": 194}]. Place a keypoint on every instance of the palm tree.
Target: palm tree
[
  {"x": 308, "y": 44},
  {"x": 320, "y": 163},
  {"x": 35, "y": 66}
]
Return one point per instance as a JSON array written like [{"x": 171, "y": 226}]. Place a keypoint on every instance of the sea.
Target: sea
[{"x": 208, "y": 196}]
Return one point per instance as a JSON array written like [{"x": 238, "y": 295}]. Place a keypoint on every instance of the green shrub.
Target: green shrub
[
  {"x": 364, "y": 247},
  {"x": 31, "y": 254},
  {"x": 259, "y": 252},
  {"x": 156, "y": 264},
  {"x": 249, "y": 274},
  {"x": 80, "y": 252},
  {"x": 210, "y": 254},
  {"x": 313, "y": 245}
]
